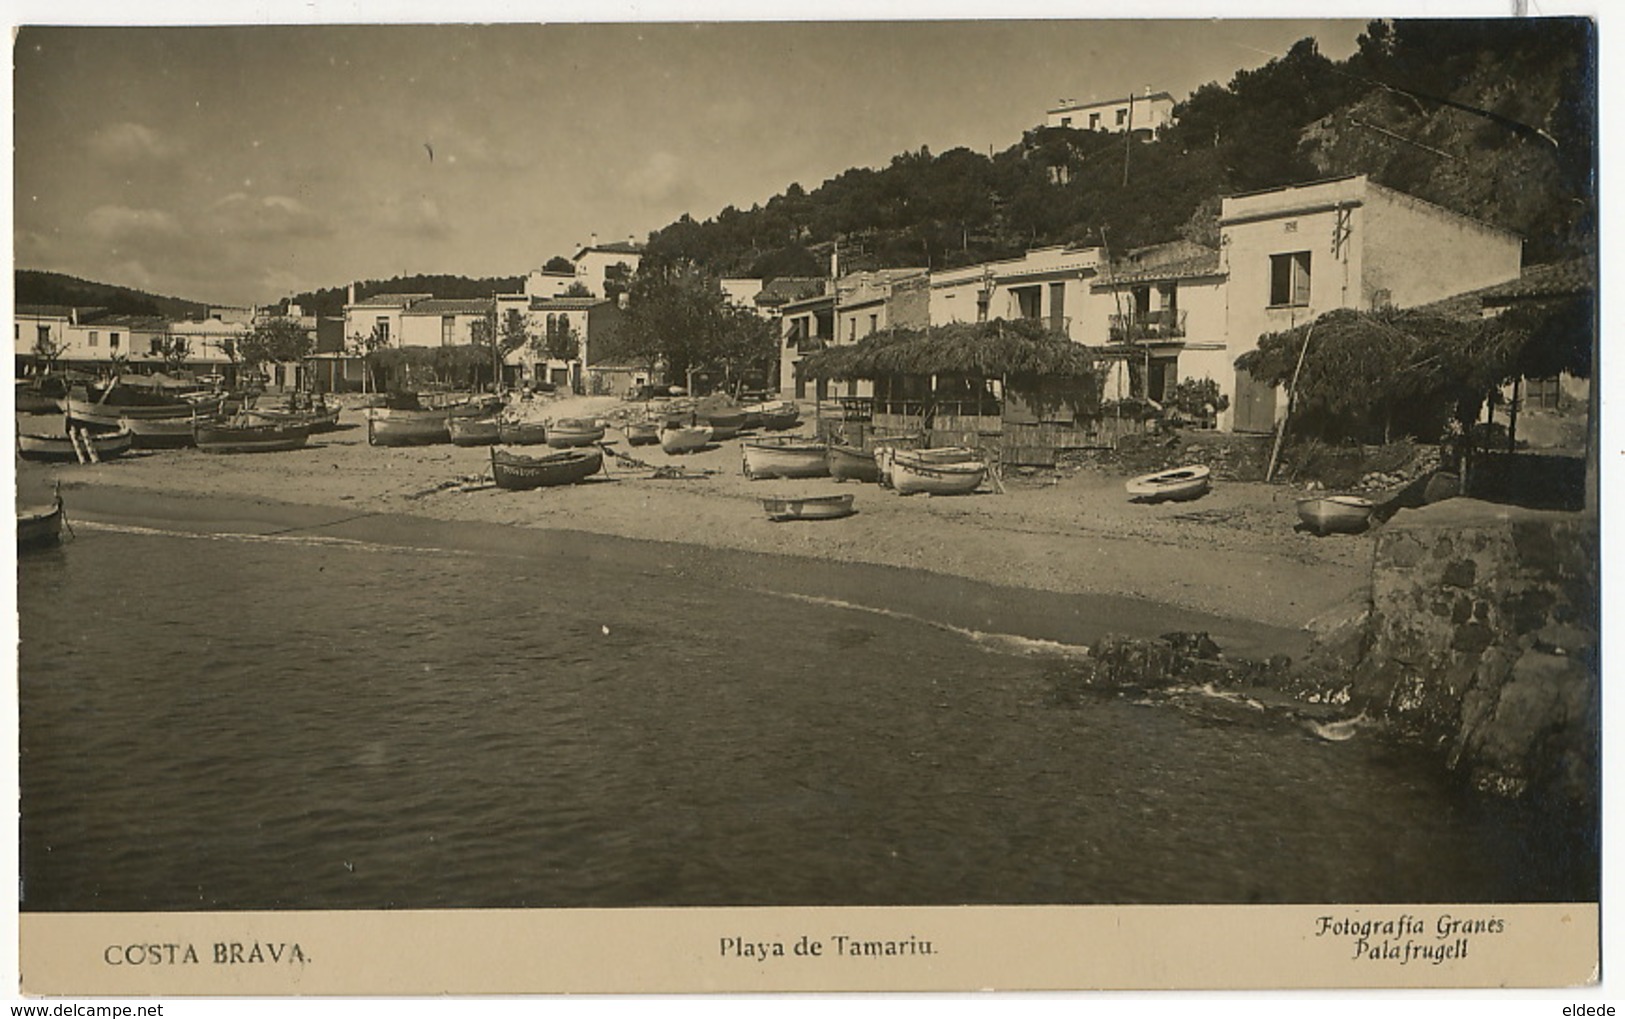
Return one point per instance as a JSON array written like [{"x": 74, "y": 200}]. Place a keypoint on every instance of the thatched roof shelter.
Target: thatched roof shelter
[{"x": 983, "y": 350}]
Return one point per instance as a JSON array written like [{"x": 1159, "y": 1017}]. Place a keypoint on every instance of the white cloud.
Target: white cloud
[
  {"x": 128, "y": 142},
  {"x": 239, "y": 215},
  {"x": 122, "y": 223}
]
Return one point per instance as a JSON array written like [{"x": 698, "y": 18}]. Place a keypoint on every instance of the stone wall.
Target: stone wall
[{"x": 1482, "y": 640}]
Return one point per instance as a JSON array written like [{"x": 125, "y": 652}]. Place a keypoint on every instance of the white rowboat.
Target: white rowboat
[{"x": 1175, "y": 485}]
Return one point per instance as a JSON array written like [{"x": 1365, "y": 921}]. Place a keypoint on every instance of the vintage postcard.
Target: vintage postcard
[{"x": 693, "y": 506}]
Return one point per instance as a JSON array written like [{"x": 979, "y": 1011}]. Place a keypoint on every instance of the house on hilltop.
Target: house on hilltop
[{"x": 1140, "y": 115}]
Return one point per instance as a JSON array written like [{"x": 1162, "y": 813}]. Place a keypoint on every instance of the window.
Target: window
[
  {"x": 1289, "y": 280},
  {"x": 112, "y": 341},
  {"x": 155, "y": 347},
  {"x": 1122, "y": 116},
  {"x": 1066, "y": 121},
  {"x": 1094, "y": 121},
  {"x": 95, "y": 338},
  {"x": 852, "y": 328},
  {"x": 448, "y": 330},
  {"x": 1028, "y": 301},
  {"x": 874, "y": 324},
  {"x": 381, "y": 327}
]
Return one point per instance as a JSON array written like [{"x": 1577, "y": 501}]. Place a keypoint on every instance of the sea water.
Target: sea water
[{"x": 234, "y": 722}]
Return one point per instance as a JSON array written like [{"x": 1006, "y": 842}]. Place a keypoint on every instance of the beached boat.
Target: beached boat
[
  {"x": 808, "y": 507},
  {"x": 778, "y": 417},
  {"x": 467, "y": 431},
  {"x": 222, "y": 437},
  {"x": 103, "y": 445},
  {"x": 641, "y": 433},
  {"x": 790, "y": 457},
  {"x": 317, "y": 415},
  {"x": 568, "y": 433},
  {"x": 1175, "y": 485},
  {"x": 684, "y": 439},
  {"x": 910, "y": 476},
  {"x": 87, "y": 412},
  {"x": 387, "y": 427},
  {"x": 32, "y": 399},
  {"x": 160, "y": 433},
  {"x": 521, "y": 433},
  {"x": 849, "y": 463},
  {"x": 515, "y": 472},
  {"x": 39, "y": 526},
  {"x": 725, "y": 424},
  {"x": 886, "y": 454},
  {"x": 1335, "y": 514}
]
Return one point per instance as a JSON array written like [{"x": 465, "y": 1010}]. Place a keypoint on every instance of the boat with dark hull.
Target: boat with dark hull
[
  {"x": 515, "y": 472},
  {"x": 40, "y": 526},
  {"x": 467, "y": 431},
  {"x": 222, "y": 437},
  {"x": 521, "y": 433}
]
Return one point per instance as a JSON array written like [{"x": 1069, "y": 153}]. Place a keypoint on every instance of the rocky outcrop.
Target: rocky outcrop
[{"x": 1481, "y": 639}]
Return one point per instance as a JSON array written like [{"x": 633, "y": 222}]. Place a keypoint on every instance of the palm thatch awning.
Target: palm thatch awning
[{"x": 984, "y": 350}]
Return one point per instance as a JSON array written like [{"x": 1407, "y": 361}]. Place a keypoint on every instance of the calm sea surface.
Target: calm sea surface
[{"x": 232, "y": 723}]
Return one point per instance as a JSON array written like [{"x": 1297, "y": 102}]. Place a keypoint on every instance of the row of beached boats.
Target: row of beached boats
[{"x": 955, "y": 470}]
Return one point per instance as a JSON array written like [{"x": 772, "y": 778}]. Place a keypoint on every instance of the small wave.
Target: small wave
[
  {"x": 306, "y": 540},
  {"x": 1001, "y": 643}
]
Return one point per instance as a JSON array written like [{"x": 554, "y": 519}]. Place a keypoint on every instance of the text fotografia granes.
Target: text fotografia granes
[
  {"x": 839, "y": 945},
  {"x": 1436, "y": 939}
]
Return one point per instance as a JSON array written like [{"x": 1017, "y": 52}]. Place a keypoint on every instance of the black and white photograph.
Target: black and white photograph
[{"x": 782, "y": 478}]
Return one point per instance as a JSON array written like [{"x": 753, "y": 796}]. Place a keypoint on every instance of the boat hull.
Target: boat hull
[
  {"x": 785, "y": 460},
  {"x": 848, "y": 463},
  {"x": 39, "y": 527},
  {"x": 572, "y": 434},
  {"x": 911, "y": 477},
  {"x": 1178, "y": 485},
  {"x": 725, "y": 426},
  {"x": 102, "y": 415},
  {"x": 160, "y": 434},
  {"x": 315, "y": 420},
  {"x": 675, "y": 441},
  {"x": 514, "y": 433},
  {"x": 250, "y": 438},
  {"x": 1335, "y": 514},
  {"x": 407, "y": 428},
  {"x": 60, "y": 447},
  {"x": 821, "y": 507},
  {"x": 642, "y": 433},
  {"x": 474, "y": 431},
  {"x": 515, "y": 473}
]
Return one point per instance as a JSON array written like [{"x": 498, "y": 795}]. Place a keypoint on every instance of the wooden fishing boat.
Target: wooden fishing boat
[
  {"x": 1175, "y": 485},
  {"x": 725, "y": 424},
  {"x": 778, "y": 417},
  {"x": 387, "y": 427},
  {"x": 318, "y": 416},
  {"x": 791, "y": 457},
  {"x": 521, "y": 433},
  {"x": 641, "y": 433},
  {"x": 909, "y": 476},
  {"x": 160, "y": 433},
  {"x": 105, "y": 445},
  {"x": 684, "y": 439},
  {"x": 849, "y": 463},
  {"x": 807, "y": 507},
  {"x": 87, "y": 412},
  {"x": 887, "y": 454},
  {"x": 515, "y": 472},
  {"x": 568, "y": 433},
  {"x": 466, "y": 431},
  {"x": 34, "y": 400},
  {"x": 39, "y": 526},
  {"x": 1335, "y": 514},
  {"x": 222, "y": 437}
]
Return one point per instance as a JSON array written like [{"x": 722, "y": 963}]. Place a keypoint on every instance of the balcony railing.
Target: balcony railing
[{"x": 1135, "y": 326}]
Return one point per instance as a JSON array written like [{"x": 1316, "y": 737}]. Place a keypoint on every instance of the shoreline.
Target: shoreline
[{"x": 1061, "y": 546}]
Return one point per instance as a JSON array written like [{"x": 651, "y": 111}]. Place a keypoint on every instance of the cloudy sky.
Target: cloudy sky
[{"x": 241, "y": 164}]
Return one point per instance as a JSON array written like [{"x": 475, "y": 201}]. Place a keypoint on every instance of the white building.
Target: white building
[
  {"x": 1294, "y": 253},
  {"x": 1048, "y": 284},
  {"x": 596, "y": 262},
  {"x": 1139, "y": 114}
]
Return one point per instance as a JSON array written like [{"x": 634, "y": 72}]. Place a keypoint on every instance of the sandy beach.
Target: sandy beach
[{"x": 1233, "y": 553}]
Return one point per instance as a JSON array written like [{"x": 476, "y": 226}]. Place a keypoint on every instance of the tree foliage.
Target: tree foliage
[
  {"x": 175, "y": 350},
  {"x": 276, "y": 340},
  {"x": 677, "y": 316}
]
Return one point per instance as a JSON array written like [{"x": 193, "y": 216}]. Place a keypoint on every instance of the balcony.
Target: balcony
[{"x": 1139, "y": 326}]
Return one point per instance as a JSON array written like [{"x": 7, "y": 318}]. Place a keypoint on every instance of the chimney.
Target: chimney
[
  {"x": 73, "y": 315},
  {"x": 594, "y": 243},
  {"x": 352, "y": 293},
  {"x": 632, "y": 240}
]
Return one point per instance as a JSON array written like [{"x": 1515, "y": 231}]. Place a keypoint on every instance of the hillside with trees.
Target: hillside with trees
[
  {"x": 1493, "y": 118},
  {"x": 36, "y": 287}
]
